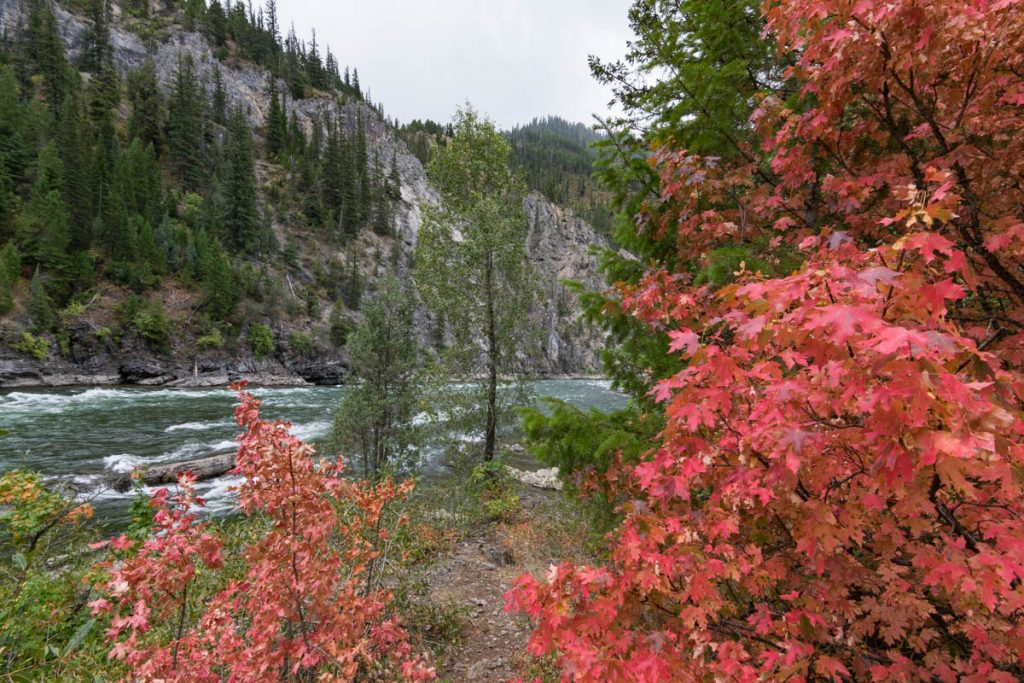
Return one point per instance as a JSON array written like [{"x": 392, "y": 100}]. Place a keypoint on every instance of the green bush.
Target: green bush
[
  {"x": 75, "y": 309},
  {"x": 46, "y": 634},
  {"x": 37, "y": 347},
  {"x": 302, "y": 343},
  {"x": 213, "y": 340},
  {"x": 150, "y": 321},
  {"x": 496, "y": 488},
  {"x": 261, "y": 340}
]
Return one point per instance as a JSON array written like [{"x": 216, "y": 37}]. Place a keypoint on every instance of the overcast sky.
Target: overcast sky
[{"x": 513, "y": 59}]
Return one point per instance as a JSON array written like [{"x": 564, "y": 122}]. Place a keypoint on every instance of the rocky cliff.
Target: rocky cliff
[{"x": 559, "y": 246}]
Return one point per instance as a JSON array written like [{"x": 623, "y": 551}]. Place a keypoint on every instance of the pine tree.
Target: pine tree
[
  {"x": 309, "y": 180},
  {"x": 273, "y": 29},
  {"x": 97, "y": 52},
  {"x": 219, "y": 100},
  {"x": 212, "y": 267},
  {"x": 46, "y": 50},
  {"x": 10, "y": 273},
  {"x": 16, "y": 138},
  {"x": 98, "y": 59},
  {"x": 314, "y": 67},
  {"x": 39, "y": 307},
  {"x": 185, "y": 125},
  {"x": 73, "y": 137},
  {"x": 8, "y": 203},
  {"x": 296, "y": 136},
  {"x": 147, "y": 121},
  {"x": 277, "y": 123},
  {"x": 241, "y": 216},
  {"x": 106, "y": 203},
  {"x": 44, "y": 225},
  {"x": 394, "y": 179},
  {"x": 195, "y": 11},
  {"x": 216, "y": 23}
]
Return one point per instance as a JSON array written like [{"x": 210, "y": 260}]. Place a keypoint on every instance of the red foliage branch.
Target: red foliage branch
[
  {"x": 839, "y": 490},
  {"x": 302, "y": 605}
]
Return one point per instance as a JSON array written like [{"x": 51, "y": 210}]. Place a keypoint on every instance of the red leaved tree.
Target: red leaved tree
[
  {"x": 839, "y": 490},
  {"x": 304, "y": 604}
]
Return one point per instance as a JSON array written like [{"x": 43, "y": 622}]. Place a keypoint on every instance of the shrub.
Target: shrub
[
  {"x": 261, "y": 340},
  {"x": 302, "y": 343},
  {"x": 491, "y": 481},
  {"x": 43, "y": 630},
  {"x": 213, "y": 340},
  {"x": 836, "y": 493},
  {"x": 307, "y": 606},
  {"x": 37, "y": 347},
  {"x": 75, "y": 309},
  {"x": 150, "y": 321}
]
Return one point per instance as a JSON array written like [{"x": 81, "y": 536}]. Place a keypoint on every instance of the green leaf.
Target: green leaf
[
  {"x": 20, "y": 561},
  {"x": 79, "y": 636}
]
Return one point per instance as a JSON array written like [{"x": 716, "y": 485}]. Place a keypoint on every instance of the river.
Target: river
[{"x": 82, "y": 436}]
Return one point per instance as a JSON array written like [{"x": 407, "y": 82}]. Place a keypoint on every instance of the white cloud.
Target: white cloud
[{"x": 513, "y": 59}]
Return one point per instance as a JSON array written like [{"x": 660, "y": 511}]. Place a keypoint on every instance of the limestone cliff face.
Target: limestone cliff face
[{"x": 558, "y": 244}]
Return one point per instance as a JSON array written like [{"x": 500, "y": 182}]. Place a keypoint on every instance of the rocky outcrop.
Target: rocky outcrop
[
  {"x": 547, "y": 479},
  {"x": 559, "y": 245}
]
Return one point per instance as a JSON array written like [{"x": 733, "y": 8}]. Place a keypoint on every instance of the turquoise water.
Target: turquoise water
[{"x": 83, "y": 436}]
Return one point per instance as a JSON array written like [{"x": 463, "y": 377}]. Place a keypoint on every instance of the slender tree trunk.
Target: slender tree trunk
[{"x": 492, "y": 367}]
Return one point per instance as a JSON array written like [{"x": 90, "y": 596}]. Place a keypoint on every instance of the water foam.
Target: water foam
[
  {"x": 198, "y": 426},
  {"x": 123, "y": 463}
]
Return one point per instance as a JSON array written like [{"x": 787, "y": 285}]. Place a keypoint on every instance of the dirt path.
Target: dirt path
[
  {"x": 476, "y": 576},
  {"x": 478, "y": 572}
]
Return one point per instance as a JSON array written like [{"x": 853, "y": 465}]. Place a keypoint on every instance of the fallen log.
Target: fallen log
[{"x": 202, "y": 468}]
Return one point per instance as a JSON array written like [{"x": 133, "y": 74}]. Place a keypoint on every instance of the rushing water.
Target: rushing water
[{"x": 84, "y": 435}]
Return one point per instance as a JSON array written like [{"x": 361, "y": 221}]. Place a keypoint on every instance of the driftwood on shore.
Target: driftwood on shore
[{"x": 203, "y": 468}]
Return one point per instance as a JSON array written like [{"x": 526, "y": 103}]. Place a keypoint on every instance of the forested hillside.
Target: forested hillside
[
  {"x": 556, "y": 157},
  {"x": 189, "y": 181},
  {"x": 558, "y": 160}
]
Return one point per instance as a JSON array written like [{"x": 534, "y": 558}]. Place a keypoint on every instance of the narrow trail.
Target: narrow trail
[
  {"x": 478, "y": 572},
  {"x": 476, "y": 576}
]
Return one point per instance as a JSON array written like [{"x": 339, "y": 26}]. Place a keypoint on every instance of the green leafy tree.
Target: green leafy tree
[
  {"x": 471, "y": 265},
  {"x": 713, "y": 62},
  {"x": 374, "y": 421}
]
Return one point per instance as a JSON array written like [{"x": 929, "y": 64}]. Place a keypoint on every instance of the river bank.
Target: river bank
[
  {"x": 152, "y": 371},
  {"x": 27, "y": 373}
]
